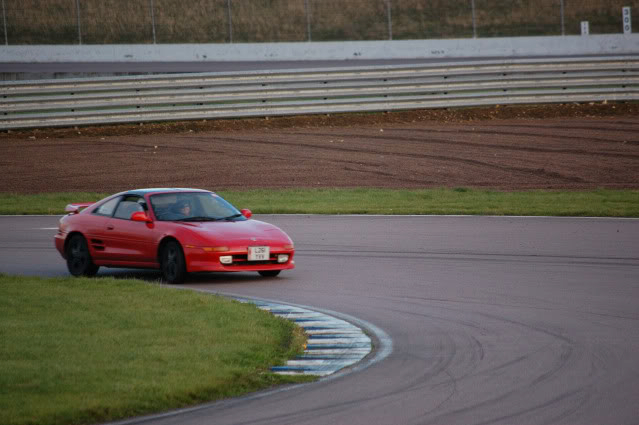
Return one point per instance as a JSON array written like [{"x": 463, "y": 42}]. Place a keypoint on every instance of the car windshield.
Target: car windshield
[{"x": 193, "y": 206}]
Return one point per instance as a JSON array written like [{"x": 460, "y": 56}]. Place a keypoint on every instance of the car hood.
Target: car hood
[{"x": 243, "y": 233}]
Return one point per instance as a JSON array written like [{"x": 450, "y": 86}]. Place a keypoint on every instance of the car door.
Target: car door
[
  {"x": 95, "y": 228},
  {"x": 127, "y": 241}
]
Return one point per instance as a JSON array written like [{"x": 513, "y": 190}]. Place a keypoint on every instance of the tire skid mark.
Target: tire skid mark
[
  {"x": 566, "y": 352},
  {"x": 528, "y": 171},
  {"x": 581, "y": 396},
  {"x": 469, "y": 256},
  {"x": 385, "y": 174},
  {"x": 563, "y": 358},
  {"x": 449, "y": 142},
  {"x": 535, "y": 135},
  {"x": 283, "y": 158},
  {"x": 552, "y": 334},
  {"x": 437, "y": 364},
  {"x": 477, "y": 352},
  {"x": 451, "y": 381},
  {"x": 108, "y": 144},
  {"x": 551, "y": 410},
  {"x": 523, "y": 389},
  {"x": 614, "y": 126},
  {"x": 338, "y": 406},
  {"x": 313, "y": 158},
  {"x": 521, "y": 305}
]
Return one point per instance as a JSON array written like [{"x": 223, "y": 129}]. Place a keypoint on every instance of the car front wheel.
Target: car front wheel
[
  {"x": 79, "y": 260},
  {"x": 269, "y": 273},
  {"x": 172, "y": 262}
]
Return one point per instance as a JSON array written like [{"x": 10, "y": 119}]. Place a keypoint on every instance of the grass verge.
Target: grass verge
[
  {"x": 595, "y": 203},
  {"x": 78, "y": 351},
  {"x": 208, "y": 21}
]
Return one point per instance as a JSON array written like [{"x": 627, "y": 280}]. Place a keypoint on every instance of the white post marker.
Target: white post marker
[
  {"x": 585, "y": 28},
  {"x": 627, "y": 20}
]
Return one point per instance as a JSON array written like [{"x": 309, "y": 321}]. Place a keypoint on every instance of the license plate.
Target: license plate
[{"x": 258, "y": 253}]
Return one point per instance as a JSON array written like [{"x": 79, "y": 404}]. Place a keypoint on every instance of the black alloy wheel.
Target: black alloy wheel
[
  {"x": 172, "y": 262},
  {"x": 79, "y": 260},
  {"x": 269, "y": 273}
]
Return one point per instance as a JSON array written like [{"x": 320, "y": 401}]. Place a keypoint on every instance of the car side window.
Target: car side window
[
  {"x": 107, "y": 208},
  {"x": 126, "y": 208}
]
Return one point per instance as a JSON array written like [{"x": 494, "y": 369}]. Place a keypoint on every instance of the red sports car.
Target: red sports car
[{"x": 175, "y": 230}]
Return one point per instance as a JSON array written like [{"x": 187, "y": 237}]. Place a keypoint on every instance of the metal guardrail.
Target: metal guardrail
[{"x": 110, "y": 100}]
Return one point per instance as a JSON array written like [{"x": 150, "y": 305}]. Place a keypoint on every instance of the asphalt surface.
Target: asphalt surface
[{"x": 493, "y": 320}]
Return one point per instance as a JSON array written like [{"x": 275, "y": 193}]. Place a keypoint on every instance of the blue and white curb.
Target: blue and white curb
[
  {"x": 347, "y": 327},
  {"x": 333, "y": 343}
]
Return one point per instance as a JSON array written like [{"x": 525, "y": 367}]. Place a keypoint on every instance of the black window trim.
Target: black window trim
[
  {"x": 123, "y": 198},
  {"x": 95, "y": 210}
]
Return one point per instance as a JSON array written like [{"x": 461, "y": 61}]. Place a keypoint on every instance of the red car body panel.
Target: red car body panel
[{"x": 115, "y": 242}]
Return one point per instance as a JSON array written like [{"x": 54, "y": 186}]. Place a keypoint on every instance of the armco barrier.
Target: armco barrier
[
  {"x": 489, "y": 47},
  {"x": 74, "y": 102}
]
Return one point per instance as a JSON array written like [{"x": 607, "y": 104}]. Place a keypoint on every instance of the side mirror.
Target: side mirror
[
  {"x": 141, "y": 216},
  {"x": 246, "y": 213}
]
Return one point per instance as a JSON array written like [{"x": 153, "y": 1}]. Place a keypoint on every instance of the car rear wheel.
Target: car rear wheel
[
  {"x": 79, "y": 260},
  {"x": 172, "y": 262},
  {"x": 269, "y": 273}
]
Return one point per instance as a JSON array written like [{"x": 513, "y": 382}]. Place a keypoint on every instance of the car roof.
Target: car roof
[{"x": 142, "y": 192}]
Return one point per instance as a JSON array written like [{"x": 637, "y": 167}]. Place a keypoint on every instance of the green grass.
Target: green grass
[
  {"x": 78, "y": 351},
  {"x": 601, "y": 203},
  {"x": 615, "y": 203},
  {"x": 44, "y": 203}
]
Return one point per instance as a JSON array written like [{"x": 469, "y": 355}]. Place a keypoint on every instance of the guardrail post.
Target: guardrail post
[
  {"x": 307, "y": 9},
  {"x": 390, "y": 19},
  {"x": 77, "y": 7},
  {"x": 472, "y": 8},
  {"x": 4, "y": 24},
  {"x": 152, "y": 19},
  {"x": 563, "y": 27},
  {"x": 228, "y": 12}
]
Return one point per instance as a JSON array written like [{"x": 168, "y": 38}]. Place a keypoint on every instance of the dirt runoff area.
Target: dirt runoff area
[{"x": 563, "y": 147}]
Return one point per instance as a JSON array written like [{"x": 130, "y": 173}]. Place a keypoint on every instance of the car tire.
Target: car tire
[
  {"x": 172, "y": 262},
  {"x": 269, "y": 273},
  {"x": 79, "y": 261}
]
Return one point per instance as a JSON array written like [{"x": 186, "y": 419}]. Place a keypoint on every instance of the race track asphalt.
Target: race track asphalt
[{"x": 493, "y": 320}]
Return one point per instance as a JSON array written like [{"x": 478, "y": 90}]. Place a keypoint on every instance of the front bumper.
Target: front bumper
[
  {"x": 197, "y": 260},
  {"x": 59, "y": 243}
]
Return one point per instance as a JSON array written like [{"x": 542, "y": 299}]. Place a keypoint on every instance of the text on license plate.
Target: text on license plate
[{"x": 258, "y": 253}]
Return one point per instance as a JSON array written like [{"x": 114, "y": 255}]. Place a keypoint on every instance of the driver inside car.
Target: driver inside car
[{"x": 183, "y": 209}]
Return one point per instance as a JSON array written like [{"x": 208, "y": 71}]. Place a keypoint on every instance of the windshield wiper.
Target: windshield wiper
[
  {"x": 197, "y": 218},
  {"x": 203, "y": 218}
]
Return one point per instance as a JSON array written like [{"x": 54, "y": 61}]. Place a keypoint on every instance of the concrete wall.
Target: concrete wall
[{"x": 616, "y": 44}]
